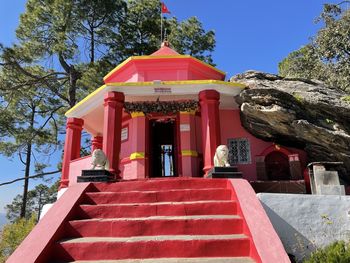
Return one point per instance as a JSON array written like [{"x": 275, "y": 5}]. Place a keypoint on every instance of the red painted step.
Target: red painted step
[
  {"x": 158, "y": 225},
  {"x": 158, "y": 196},
  {"x": 158, "y": 209},
  {"x": 153, "y": 247},
  {"x": 175, "y": 260},
  {"x": 161, "y": 184}
]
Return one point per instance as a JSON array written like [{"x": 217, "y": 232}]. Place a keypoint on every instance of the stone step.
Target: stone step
[
  {"x": 161, "y": 184},
  {"x": 176, "y": 260},
  {"x": 158, "y": 196},
  {"x": 158, "y": 209},
  {"x": 143, "y": 247},
  {"x": 157, "y": 225}
]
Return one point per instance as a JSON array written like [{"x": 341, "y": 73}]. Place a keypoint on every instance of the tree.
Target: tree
[
  {"x": 303, "y": 63},
  {"x": 37, "y": 198},
  {"x": 189, "y": 37},
  {"x": 139, "y": 32},
  {"x": 64, "y": 49},
  {"x": 80, "y": 41},
  {"x": 13, "y": 234},
  {"x": 327, "y": 56},
  {"x": 29, "y": 133}
]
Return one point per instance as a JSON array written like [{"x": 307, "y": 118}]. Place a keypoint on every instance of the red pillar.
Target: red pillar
[
  {"x": 139, "y": 156},
  {"x": 96, "y": 143},
  {"x": 71, "y": 147},
  {"x": 112, "y": 126},
  {"x": 209, "y": 101}
]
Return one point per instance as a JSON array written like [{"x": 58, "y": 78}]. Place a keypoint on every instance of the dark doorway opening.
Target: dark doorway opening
[
  {"x": 277, "y": 166},
  {"x": 162, "y": 148}
]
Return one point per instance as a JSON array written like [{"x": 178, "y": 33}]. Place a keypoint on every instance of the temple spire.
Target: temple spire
[{"x": 165, "y": 43}]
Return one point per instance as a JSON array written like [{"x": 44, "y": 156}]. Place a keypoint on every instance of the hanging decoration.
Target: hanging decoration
[{"x": 164, "y": 107}]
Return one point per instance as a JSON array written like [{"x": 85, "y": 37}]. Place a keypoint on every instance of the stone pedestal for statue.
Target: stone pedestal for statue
[
  {"x": 324, "y": 182},
  {"x": 224, "y": 172},
  {"x": 96, "y": 176}
]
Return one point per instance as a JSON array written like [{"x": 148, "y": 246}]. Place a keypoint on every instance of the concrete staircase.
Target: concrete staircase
[
  {"x": 164, "y": 220},
  {"x": 156, "y": 220}
]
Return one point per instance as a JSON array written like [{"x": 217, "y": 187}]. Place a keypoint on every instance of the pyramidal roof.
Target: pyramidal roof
[
  {"x": 165, "y": 50},
  {"x": 147, "y": 68}
]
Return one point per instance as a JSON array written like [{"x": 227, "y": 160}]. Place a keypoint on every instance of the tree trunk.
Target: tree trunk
[
  {"x": 27, "y": 170},
  {"x": 39, "y": 205},
  {"x": 74, "y": 75},
  {"x": 92, "y": 47}
]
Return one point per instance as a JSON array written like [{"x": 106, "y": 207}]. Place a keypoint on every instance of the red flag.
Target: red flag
[{"x": 165, "y": 10}]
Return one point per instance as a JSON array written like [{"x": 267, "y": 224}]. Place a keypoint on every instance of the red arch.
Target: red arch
[{"x": 274, "y": 148}]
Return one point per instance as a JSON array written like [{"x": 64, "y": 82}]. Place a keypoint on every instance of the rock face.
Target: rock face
[{"x": 298, "y": 113}]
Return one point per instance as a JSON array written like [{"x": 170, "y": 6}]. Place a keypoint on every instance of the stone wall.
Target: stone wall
[{"x": 307, "y": 222}]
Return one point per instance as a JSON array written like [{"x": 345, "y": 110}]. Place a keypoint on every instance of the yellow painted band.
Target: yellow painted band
[
  {"x": 137, "y": 155},
  {"x": 137, "y": 114},
  {"x": 177, "y": 82},
  {"x": 192, "y": 112},
  {"x": 160, "y": 57},
  {"x": 92, "y": 94},
  {"x": 189, "y": 153}
]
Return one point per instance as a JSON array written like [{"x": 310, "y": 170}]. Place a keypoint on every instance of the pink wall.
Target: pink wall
[
  {"x": 126, "y": 145},
  {"x": 76, "y": 166},
  {"x": 231, "y": 128}
]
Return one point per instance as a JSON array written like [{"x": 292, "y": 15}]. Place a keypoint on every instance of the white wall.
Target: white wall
[{"x": 307, "y": 222}]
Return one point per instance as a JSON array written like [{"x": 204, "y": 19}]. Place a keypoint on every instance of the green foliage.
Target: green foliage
[
  {"x": 298, "y": 97},
  {"x": 36, "y": 199},
  {"x": 338, "y": 252},
  {"x": 64, "y": 49},
  {"x": 189, "y": 37},
  {"x": 139, "y": 33},
  {"x": 13, "y": 234},
  {"x": 303, "y": 63},
  {"x": 346, "y": 99},
  {"x": 327, "y": 57}
]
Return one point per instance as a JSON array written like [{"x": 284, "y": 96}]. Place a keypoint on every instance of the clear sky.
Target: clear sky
[{"x": 251, "y": 34}]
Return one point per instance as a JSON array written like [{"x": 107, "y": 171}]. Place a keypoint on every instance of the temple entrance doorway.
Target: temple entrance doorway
[
  {"x": 162, "y": 148},
  {"x": 277, "y": 166}
]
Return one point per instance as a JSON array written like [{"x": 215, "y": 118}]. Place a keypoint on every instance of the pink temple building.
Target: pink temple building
[
  {"x": 162, "y": 115},
  {"x": 181, "y": 142}
]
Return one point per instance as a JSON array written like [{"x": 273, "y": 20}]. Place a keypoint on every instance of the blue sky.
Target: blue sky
[{"x": 251, "y": 34}]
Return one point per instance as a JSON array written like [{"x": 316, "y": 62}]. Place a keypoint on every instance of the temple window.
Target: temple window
[{"x": 239, "y": 151}]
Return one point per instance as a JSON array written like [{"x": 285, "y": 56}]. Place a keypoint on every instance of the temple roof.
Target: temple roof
[{"x": 166, "y": 65}]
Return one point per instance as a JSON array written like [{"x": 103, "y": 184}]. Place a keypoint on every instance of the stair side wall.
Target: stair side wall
[
  {"x": 269, "y": 247},
  {"x": 38, "y": 245}
]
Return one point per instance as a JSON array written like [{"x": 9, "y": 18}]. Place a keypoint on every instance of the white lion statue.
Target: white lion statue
[
  {"x": 221, "y": 156},
  {"x": 99, "y": 160}
]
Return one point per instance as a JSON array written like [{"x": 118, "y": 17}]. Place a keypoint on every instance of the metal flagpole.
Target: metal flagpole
[{"x": 161, "y": 27}]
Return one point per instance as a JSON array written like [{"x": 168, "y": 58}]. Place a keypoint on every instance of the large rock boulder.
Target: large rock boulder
[{"x": 298, "y": 113}]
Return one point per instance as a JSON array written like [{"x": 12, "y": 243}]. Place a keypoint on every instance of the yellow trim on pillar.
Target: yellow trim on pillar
[
  {"x": 189, "y": 153},
  {"x": 137, "y": 114},
  {"x": 137, "y": 155},
  {"x": 192, "y": 112}
]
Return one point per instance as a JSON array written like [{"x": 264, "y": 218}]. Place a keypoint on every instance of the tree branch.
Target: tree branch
[{"x": 32, "y": 176}]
